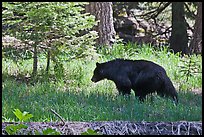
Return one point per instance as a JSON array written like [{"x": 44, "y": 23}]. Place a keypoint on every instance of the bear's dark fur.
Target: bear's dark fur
[{"x": 142, "y": 76}]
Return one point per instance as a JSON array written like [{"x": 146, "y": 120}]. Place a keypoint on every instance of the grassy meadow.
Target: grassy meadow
[{"x": 76, "y": 98}]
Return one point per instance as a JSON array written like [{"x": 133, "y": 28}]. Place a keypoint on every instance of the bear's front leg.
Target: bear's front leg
[
  {"x": 123, "y": 86},
  {"x": 124, "y": 90},
  {"x": 140, "y": 94}
]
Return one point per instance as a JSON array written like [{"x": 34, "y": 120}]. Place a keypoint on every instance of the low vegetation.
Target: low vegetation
[{"x": 72, "y": 94}]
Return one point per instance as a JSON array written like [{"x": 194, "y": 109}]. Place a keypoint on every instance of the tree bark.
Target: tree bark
[
  {"x": 35, "y": 60},
  {"x": 48, "y": 61},
  {"x": 105, "y": 28},
  {"x": 179, "y": 37},
  {"x": 196, "y": 42}
]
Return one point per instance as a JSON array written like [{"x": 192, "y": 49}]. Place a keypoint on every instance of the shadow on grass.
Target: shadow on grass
[
  {"x": 29, "y": 80},
  {"x": 89, "y": 104}
]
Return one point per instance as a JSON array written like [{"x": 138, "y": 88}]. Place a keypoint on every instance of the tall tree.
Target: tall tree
[
  {"x": 105, "y": 28},
  {"x": 179, "y": 37},
  {"x": 196, "y": 42}
]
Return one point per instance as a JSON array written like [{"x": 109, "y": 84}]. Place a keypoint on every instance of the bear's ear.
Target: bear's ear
[{"x": 97, "y": 64}]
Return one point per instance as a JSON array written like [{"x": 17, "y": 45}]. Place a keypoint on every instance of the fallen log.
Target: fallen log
[{"x": 114, "y": 127}]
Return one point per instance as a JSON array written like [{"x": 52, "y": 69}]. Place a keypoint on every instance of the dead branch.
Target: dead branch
[
  {"x": 153, "y": 14},
  {"x": 58, "y": 115}
]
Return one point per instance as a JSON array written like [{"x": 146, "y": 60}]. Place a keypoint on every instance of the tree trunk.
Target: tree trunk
[
  {"x": 179, "y": 37},
  {"x": 196, "y": 42},
  {"x": 104, "y": 13},
  {"x": 48, "y": 61},
  {"x": 35, "y": 60}
]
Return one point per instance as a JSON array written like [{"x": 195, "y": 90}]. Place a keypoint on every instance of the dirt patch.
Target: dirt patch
[{"x": 197, "y": 91}]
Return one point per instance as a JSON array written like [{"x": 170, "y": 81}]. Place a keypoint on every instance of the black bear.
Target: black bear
[{"x": 142, "y": 76}]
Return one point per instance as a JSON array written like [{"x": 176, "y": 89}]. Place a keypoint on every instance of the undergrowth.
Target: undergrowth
[{"x": 76, "y": 98}]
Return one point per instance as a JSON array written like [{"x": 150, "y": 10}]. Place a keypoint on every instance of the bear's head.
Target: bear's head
[{"x": 98, "y": 73}]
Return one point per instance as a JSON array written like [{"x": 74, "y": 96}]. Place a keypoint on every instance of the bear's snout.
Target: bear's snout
[{"x": 93, "y": 79}]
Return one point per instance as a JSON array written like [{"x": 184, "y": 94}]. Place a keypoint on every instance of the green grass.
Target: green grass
[{"x": 76, "y": 98}]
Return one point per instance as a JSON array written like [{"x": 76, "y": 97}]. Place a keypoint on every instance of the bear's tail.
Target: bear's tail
[{"x": 169, "y": 90}]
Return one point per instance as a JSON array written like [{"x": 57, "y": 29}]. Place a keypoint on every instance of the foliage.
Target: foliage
[
  {"x": 59, "y": 70},
  {"x": 48, "y": 131},
  {"x": 90, "y": 132},
  {"x": 56, "y": 27},
  {"x": 190, "y": 67},
  {"x": 14, "y": 129},
  {"x": 22, "y": 116}
]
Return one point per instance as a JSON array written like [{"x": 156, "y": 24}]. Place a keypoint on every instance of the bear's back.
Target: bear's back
[{"x": 137, "y": 64}]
